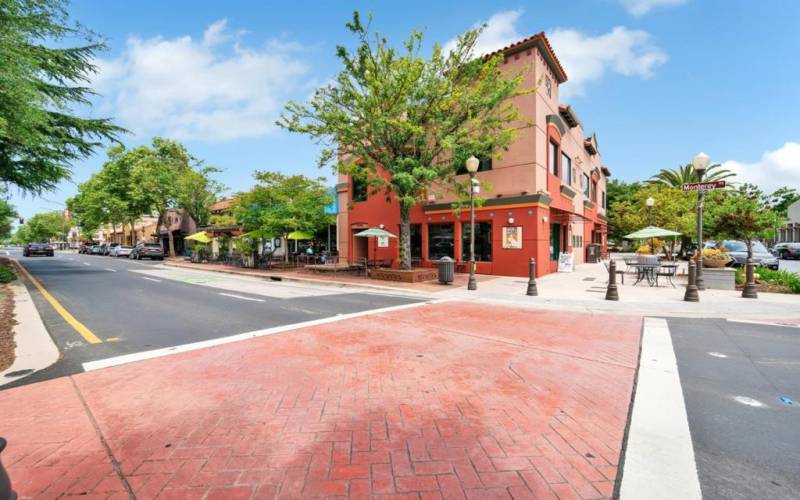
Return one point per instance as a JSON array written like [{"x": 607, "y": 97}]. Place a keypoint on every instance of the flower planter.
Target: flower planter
[
  {"x": 715, "y": 263},
  {"x": 723, "y": 278}
]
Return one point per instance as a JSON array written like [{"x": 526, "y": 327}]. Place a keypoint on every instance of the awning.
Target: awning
[
  {"x": 300, "y": 235},
  {"x": 376, "y": 233},
  {"x": 202, "y": 237}
]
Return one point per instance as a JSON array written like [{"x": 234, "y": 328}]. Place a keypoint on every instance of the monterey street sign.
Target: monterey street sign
[{"x": 703, "y": 186}]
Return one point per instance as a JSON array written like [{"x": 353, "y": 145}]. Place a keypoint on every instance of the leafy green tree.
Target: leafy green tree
[
  {"x": 43, "y": 227},
  {"x": 780, "y": 199},
  {"x": 41, "y": 78},
  {"x": 196, "y": 191},
  {"x": 673, "y": 209},
  {"x": 618, "y": 191},
  {"x": 7, "y": 216},
  {"x": 740, "y": 215},
  {"x": 404, "y": 123},
  {"x": 280, "y": 204},
  {"x": 685, "y": 174}
]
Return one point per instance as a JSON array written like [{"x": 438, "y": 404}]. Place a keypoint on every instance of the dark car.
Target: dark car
[
  {"x": 37, "y": 249},
  {"x": 738, "y": 252},
  {"x": 787, "y": 250},
  {"x": 147, "y": 251}
]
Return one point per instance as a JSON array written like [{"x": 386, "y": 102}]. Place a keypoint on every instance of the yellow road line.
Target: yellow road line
[{"x": 69, "y": 318}]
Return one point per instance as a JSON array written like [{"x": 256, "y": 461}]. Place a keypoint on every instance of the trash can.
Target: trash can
[
  {"x": 593, "y": 253},
  {"x": 447, "y": 268}
]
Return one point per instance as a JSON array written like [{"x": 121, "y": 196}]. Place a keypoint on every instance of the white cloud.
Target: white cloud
[
  {"x": 641, "y": 7},
  {"x": 776, "y": 168},
  {"x": 588, "y": 58},
  {"x": 500, "y": 31},
  {"x": 211, "y": 89},
  {"x": 585, "y": 58}
]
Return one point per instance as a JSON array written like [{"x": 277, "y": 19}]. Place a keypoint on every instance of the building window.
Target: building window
[
  {"x": 585, "y": 185},
  {"x": 359, "y": 189},
  {"x": 441, "y": 241},
  {"x": 483, "y": 241},
  {"x": 554, "y": 158},
  {"x": 484, "y": 165},
  {"x": 566, "y": 168},
  {"x": 603, "y": 199},
  {"x": 594, "y": 191}
]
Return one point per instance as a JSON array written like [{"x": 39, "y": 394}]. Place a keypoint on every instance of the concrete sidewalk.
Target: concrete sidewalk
[{"x": 447, "y": 400}]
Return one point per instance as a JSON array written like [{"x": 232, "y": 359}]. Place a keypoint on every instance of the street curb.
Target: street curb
[
  {"x": 35, "y": 348},
  {"x": 283, "y": 277},
  {"x": 659, "y": 459}
]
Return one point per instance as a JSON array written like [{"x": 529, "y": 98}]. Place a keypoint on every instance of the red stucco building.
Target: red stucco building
[{"x": 548, "y": 191}]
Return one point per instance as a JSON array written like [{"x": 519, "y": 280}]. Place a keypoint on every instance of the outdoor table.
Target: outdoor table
[{"x": 645, "y": 271}]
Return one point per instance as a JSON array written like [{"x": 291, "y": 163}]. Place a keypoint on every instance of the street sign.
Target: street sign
[{"x": 703, "y": 186}]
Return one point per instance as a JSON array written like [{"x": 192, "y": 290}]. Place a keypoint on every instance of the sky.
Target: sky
[{"x": 657, "y": 80}]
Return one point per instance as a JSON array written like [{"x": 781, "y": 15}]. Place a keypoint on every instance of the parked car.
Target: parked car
[
  {"x": 121, "y": 251},
  {"x": 147, "y": 250},
  {"x": 95, "y": 250},
  {"x": 85, "y": 247},
  {"x": 787, "y": 250},
  {"x": 109, "y": 247},
  {"x": 738, "y": 252},
  {"x": 32, "y": 249}
]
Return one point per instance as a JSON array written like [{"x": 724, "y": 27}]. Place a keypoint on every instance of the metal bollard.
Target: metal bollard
[
  {"x": 749, "y": 291},
  {"x": 691, "y": 294},
  {"x": 611, "y": 292},
  {"x": 532, "y": 289}
]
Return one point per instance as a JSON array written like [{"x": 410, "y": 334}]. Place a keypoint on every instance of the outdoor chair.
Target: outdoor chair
[{"x": 668, "y": 271}]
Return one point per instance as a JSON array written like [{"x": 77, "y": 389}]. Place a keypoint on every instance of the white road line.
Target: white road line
[
  {"x": 768, "y": 323},
  {"x": 241, "y": 297},
  {"x": 112, "y": 270},
  {"x": 157, "y": 353},
  {"x": 151, "y": 279},
  {"x": 86, "y": 264},
  {"x": 659, "y": 456}
]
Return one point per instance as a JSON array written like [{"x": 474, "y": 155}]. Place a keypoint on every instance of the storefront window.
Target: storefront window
[
  {"x": 440, "y": 241},
  {"x": 483, "y": 241},
  {"x": 416, "y": 241}
]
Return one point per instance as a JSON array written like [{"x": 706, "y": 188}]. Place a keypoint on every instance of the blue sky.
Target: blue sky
[{"x": 657, "y": 80}]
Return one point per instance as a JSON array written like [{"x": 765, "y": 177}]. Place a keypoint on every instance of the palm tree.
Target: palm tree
[{"x": 685, "y": 174}]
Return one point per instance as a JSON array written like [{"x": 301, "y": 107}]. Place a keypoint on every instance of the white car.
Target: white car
[{"x": 121, "y": 251}]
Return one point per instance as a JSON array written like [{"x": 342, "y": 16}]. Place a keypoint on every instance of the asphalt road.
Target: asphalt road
[
  {"x": 746, "y": 438},
  {"x": 132, "y": 307}
]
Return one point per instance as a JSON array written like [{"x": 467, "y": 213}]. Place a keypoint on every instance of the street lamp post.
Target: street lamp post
[
  {"x": 650, "y": 202},
  {"x": 472, "y": 165},
  {"x": 700, "y": 163}
]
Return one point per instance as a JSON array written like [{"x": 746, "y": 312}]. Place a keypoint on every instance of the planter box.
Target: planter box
[
  {"x": 723, "y": 278},
  {"x": 412, "y": 276}
]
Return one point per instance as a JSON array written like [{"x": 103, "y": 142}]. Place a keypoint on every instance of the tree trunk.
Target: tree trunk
[
  {"x": 113, "y": 231},
  {"x": 171, "y": 242},
  {"x": 133, "y": 232},
  {"x": 286, "y": 247},
  {"x": 405, "y": 238}
]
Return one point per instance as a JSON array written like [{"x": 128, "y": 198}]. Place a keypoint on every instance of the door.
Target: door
[
  {"x": 360, "y": 246},
  {"x": 555, "y": 241}
]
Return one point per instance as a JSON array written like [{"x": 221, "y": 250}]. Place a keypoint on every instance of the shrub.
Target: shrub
[
  {"x": 7, "y": 275},
  {"x": 782, "y": 278}
]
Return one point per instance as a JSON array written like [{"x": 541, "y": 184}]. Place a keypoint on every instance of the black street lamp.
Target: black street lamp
[
  {"x": 700, "y": 163},
  {"x": 472, "y": 165}
]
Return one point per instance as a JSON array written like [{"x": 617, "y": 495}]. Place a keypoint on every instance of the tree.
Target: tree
[
  {"x": 7, "y": 215},
  {"x": 617, "y": 192},
  {"x": 686, "y": 174},
  {"x": 673, "y": 209},
  {"x": 403, "y": 123},
  {"x": 740, "y": 215},
  {"x": 196, "y": 191},
  {"x": 41, "y": 78},
  {"x": 780, "y": 199},
  {"x": 43, "y": 227},
  {"x": 280, "y": 204}
]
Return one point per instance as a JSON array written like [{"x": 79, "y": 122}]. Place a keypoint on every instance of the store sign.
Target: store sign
[
  {"x": 566, "y": 263},
  {"x": 703, "y": 186},
  {"x": 383, "y": 241}
]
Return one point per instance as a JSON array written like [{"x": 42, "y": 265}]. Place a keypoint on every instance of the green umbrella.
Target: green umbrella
[
  {"x": 300, "y": 235},
  {"x": 375, "y": 232},
  {"x": 650, "y": 232}
]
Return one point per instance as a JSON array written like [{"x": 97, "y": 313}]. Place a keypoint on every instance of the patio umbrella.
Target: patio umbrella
[
  {"x": 299, "y": 235},
  {"x": 650, "y": 232},
  {"x": 201, "y": 237},
  {"x": 375, "y": 232}
]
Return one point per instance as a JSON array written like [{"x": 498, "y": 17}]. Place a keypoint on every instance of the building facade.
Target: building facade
[
  {"x": 547, "y": 197},
  {"x": 790, "y": 232}
]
